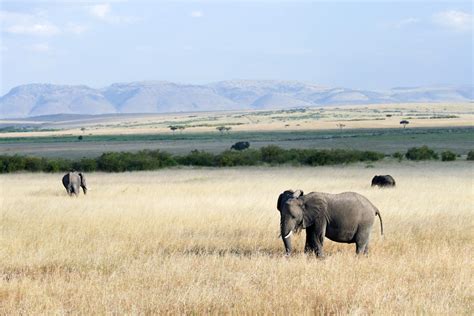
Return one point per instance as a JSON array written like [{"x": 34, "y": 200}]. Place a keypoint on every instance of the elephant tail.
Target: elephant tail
[{"x": 377, "y": 212}]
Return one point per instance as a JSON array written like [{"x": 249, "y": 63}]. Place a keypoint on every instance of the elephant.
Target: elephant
[
  {"x": 72, "y": 181},
  {"x": 240, "y": 146},
  {"x": 345, "y": 217},
  {"x": 383, "y": 181}
]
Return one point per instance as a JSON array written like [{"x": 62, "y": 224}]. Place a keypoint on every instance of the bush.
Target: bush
[
  {"x": 12, "y": 163},
  {"x": 231, "y": 158},
  {"x": 155, "y": 159},
  {"x": 398, "y": 156},
  {"x": 274, "y": 155},
  {"x": 421, "y": 153},
  {"x": 470, "y": 155},
  {"x": 448, "y": 156},
  {"x": 86, "y": 164},
  {"x": 142, "y": 160},
  {"x": 197, "y": 158},
  {"x": 58, "y": 164}
]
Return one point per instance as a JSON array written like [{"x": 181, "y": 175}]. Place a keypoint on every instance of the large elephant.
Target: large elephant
[
  {"x": 72, "y": 181},
  {"x": 383, "y": 181},
  {"x": 346, "y": 217}
]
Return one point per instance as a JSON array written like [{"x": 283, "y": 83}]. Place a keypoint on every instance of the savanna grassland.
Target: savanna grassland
[
  {"x": 374, "y": 116},
  {"x": 371, "y": 127},
  {"x": 206, "y": 241}
]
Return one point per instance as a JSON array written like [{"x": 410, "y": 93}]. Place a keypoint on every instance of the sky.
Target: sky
[{"x": 355, "y": 44}]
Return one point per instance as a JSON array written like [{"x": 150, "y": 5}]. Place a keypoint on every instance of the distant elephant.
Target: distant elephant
[
  {"x": 383, "y": 181},
  {"x": 240, "y": 146},
  {"x": 346, "y": 217},
  {"x": 72, "y": 181}
]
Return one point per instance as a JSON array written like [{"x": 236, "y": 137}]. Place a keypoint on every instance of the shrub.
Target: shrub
[
  {"x": 230, "y": 158},
  {"x": 273, "y": 154},
  {"x": 155, "y": 159},
  {"x": 421, "y": 153},
  {"x": 448, "y": 156},
  {"x": 12, "y": 163},
  {"x": 58, "y": 164},
  {"x": 398, "y": 155},
  {"x": 142, "y": 160},
  {"x": 197, "y": 158},
  {"x": 86, "y": 164},
  {"x": 470, "y": 155}
]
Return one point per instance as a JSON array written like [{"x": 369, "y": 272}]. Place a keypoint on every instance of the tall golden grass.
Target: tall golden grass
[{"x": 206, "y": 241}]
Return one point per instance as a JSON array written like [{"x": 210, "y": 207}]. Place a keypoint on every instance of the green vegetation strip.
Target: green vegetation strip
[
  {"x": 464, "y": 132},
  {"x": 156, "y": 159}
]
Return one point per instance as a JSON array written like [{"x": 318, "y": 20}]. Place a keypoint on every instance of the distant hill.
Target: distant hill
[{"x": 162, "y": 97}]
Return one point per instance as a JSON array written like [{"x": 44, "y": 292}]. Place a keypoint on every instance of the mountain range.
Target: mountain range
[{"x": 165, "y": 97}]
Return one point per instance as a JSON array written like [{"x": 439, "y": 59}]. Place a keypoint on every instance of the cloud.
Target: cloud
[
  {"x": 454, "y": 19},
  {"x": 196, "y": 14},
  {"x": 101, "y": 11},
  {"x": 104, "y": 13},
  {"x": 27, "y": 24},
  {"x": 406, "y": 22}
]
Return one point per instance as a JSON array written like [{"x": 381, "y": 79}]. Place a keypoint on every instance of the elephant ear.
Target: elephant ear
[
  {"x": 283, "y": 198},
  {"x": 315, "y": 209}
]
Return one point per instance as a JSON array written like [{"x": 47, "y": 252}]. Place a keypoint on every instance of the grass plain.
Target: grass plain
[
  {"x": 375, "y": 116},
  {"x": 206, "y": 241}
]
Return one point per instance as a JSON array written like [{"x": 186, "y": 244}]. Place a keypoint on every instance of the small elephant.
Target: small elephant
[
  {"x": 383, "y": 181},
  {"x": 346, "y": 217},
  {"x": 240, "y": 146},
  {"x": 72, "y": 181}
]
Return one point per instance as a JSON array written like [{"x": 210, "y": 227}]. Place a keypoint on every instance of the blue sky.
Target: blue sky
[{"x": 356, "y": 44}]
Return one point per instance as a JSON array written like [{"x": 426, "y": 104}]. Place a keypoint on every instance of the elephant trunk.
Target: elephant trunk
[
  {"x": 287, "y": 243},
  {"x": 286, "y": 232}
]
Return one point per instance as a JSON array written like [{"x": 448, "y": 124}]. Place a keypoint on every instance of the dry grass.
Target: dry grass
[
  {"x": 327, "y": 118},
  {"x": 205, "y": 241}
]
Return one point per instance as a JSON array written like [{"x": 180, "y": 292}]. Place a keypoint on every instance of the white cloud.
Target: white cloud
[
  {"x": 406, "y": 22},
  {"x": 196, "y": 14},
  {"x": 101, "y": 11},
  {"x": 104, "y": 13},
  {"x": 45, "y": 29},
  {"x": 454, "y": 19},
  {"x": 27, "y": 24}
]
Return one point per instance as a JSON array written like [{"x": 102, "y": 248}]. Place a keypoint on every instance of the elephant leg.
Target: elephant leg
[
  {"x": 310, "y": 245},
  {"x": 362, "y": 242},
  {"x": 319, "y": 234}
]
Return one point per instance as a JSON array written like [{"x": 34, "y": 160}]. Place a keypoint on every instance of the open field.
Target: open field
[
  {"x": 460, "y": 140},
  {"x": 379, "y": 116},
  {"x": 205, "y": 241}
]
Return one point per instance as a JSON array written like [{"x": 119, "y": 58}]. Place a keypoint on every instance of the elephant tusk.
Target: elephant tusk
[{"x": 291, "y": 232}]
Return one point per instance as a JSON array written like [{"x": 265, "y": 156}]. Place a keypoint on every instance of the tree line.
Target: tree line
[{"x": 157, "y": 159}]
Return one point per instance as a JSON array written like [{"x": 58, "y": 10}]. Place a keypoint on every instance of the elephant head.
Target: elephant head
[
  {"x": 289, "y": 221},
  {"x": 83, "y": 182}
]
